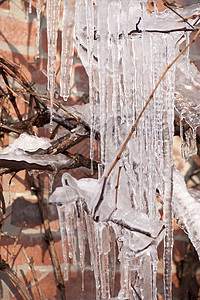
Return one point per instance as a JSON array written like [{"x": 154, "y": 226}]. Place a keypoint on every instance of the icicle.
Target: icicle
[
  {"x": 90, "y": 53},
  {"x": 38, "y": 10},
  {"x": 69, "y": 219},
  {"x": 154, "y": 262},
  {"x": 112, "y": 261},
  {"x": 53, "y": 8},
  {"x": 81, "y": 239},
  {"x": 63, "y": 238},
  {"x": 187, "y": 54},
  {"x": 102, "y": 51},
  {"x": 113, "y": 26},
  {"x": 30, "y": 6},
  {"x": 67, "y": 47},
  {"x": 103, "y": 242},
  {"x": 94, "y": 252},
  {"x": 93, "y": 108},
  {"x": 125, "y": 291},
  {"x": 168, "y": 118}
]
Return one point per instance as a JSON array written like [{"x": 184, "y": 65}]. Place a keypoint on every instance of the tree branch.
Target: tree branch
[{"x": 19, "y": 285}]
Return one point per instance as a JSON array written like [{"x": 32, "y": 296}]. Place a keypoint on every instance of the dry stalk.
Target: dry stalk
[
  {"x": 30, "y": 262},
  {"x": 15, "y": 244}
]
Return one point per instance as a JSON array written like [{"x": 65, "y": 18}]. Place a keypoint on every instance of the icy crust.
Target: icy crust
[
  {"x": 88, "y": 191},
  {"x": 165, "y": 20},
  {"x": 23, "y": 150},
  {"x": 187, "y": 99},
  {"x": 26, "y": 142},
  {"x": 136, "y": 234},
  {"x": 187, "y": 207}
]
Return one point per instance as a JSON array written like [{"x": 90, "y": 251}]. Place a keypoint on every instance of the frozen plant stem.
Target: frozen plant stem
[{"x": 137, "y": 121}]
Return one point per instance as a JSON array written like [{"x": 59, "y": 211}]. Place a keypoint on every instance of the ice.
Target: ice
[
  {"x": 30, "y": 6},
  {"x": 186, "y": 206},
  {"x": 125, "y": 51},
  {"x": 187, "y": 104},
  {"x": 24, "y": 150},
  {"x": 28, "y": 143},
  {"x": 53, "y": 9},
  {"x": 61, "y": 217},
  {"x": 38, "y": 11},
  {"x": 81, "y": 238},
  {"x": 67, "y": 47}
]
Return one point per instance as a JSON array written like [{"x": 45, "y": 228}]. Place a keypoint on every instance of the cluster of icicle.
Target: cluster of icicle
[{"x": 123, "y": 65}]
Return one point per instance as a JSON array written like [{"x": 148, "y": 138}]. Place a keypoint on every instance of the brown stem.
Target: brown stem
[{"x": 2, "y": 201}]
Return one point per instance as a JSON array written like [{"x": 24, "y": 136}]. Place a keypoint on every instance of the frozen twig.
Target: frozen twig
[
  {"x": 134, "y": 289},
  {"x": 174, "y": 11}
]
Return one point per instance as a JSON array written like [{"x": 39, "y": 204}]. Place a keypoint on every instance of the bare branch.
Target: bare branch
[
  {"x": 19, "y": 285},
  {"x": 30, "y": 262}
]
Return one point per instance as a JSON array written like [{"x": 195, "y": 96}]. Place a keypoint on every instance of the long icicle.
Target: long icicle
[
  {"x": 38, "y": 10},
  {"x": 53, "y": 10},
  {"x": 67, "y": 47}
]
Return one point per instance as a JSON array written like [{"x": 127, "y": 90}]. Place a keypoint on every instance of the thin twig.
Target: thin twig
[
  {"x": 116, "y": 193},
  {"x": 137, "y": 121},
  {"x": 117, "y": 186},
  {"x": 174, "y": 11},
  {"x": 132, "y": 285},
  {"x": 30, "y": 262},
  {"x": 15, "y": 244},
  {"x": 6, "y": 217}
]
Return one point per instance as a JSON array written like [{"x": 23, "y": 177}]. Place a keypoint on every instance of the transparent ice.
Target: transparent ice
[{"x": 123, "y": 66}]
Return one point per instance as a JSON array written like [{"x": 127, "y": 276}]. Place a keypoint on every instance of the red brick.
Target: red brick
[
  {"x": 80, "y": 78},
  {"x": 24, "y": 35},
  {"x": 31, "y": 69},
  {"x": 5, "y": 5}
]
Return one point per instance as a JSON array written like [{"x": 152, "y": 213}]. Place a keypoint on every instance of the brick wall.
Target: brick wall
[{"x": 18, "y": 43}]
